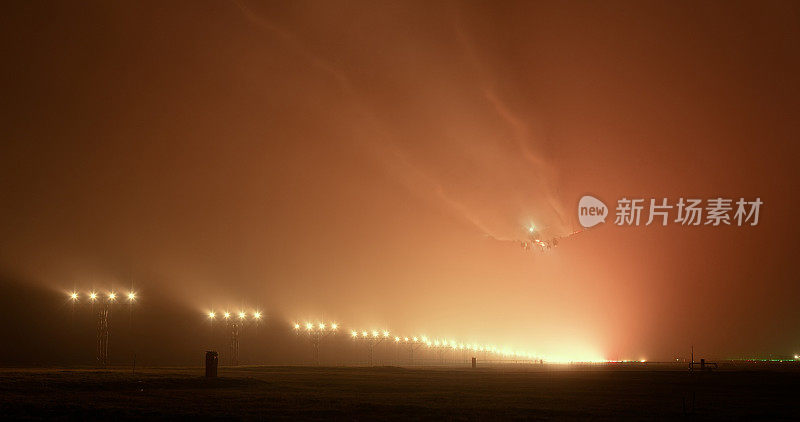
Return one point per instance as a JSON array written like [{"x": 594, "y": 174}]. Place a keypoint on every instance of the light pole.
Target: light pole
[
  {"x": 371, "y": 339},
  {"x": 234, "y": 324},
  {"x": 412, "y": 343},
  {"x": 315, "y": 333},
  {"x": 105, "y": 304},
  {"x": 397, "y": 351}
]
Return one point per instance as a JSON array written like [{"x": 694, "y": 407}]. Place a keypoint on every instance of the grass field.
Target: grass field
[{"x": 263, "y": 392}]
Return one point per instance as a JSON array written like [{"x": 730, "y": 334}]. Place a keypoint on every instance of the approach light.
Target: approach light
[
  {"x": 131, "y": 296},
  {"x": 321, "y": 325},
  {"x": 354, "y": 333},
  {"x": 406, "y": 339},
  {"x": 112, "y": 296},
  {"x": 396, "y": 339},
  {"x": 242, "y": 315},
  {"x": 257, "y": 315},
  {"x": 73, "y": 296},
  {"x": 374, "y": 333},
  {"x": 309, "y": 326},
  {"x": 363, "y": 333},
  {"x": 93, "y": 296},
  {"x": 212, "y": 315},
  {"x": 415, "y": 339},
  {"x": 386, "y": 334},
  {"x": 227, "y": 315},
  {"x": 334, "y": 326},
  {"x": 296, "y": 326}
]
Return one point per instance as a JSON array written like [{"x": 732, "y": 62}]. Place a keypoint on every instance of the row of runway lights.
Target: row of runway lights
[
  {"x": 333, "y": 327},
  {"x": 421, "y": 340},
  {"x": 443, "y": 344},
  {"x": 228, "y": 315},
  {"x": 94, "y": 296},
  {"x": 321, "y": 326},
  {"x": 384, "y": 335}
]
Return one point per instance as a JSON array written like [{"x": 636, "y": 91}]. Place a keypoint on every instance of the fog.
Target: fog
[{"x": 378, "y": 164}]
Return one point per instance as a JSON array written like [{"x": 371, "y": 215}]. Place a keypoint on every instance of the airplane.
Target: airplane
[{"x": 537, "y": 241}]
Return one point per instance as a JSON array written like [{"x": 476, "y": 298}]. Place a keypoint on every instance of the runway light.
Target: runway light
[
  {"x": 212, "y": 315},
  {"x": 227, "y": 315},
  {"x": 112, "y": 296},
  {"x": 74, "y": 296},
  {"x": 93, "y": 296},
  {"x": 131, "y": 296},
  {"x": 257, "y": 315}
]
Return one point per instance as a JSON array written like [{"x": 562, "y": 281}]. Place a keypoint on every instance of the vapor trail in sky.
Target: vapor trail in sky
[{"x": 410, "y": 175}]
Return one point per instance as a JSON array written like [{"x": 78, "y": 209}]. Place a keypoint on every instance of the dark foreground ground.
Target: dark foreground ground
[{"x": 558, "y": 392}]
